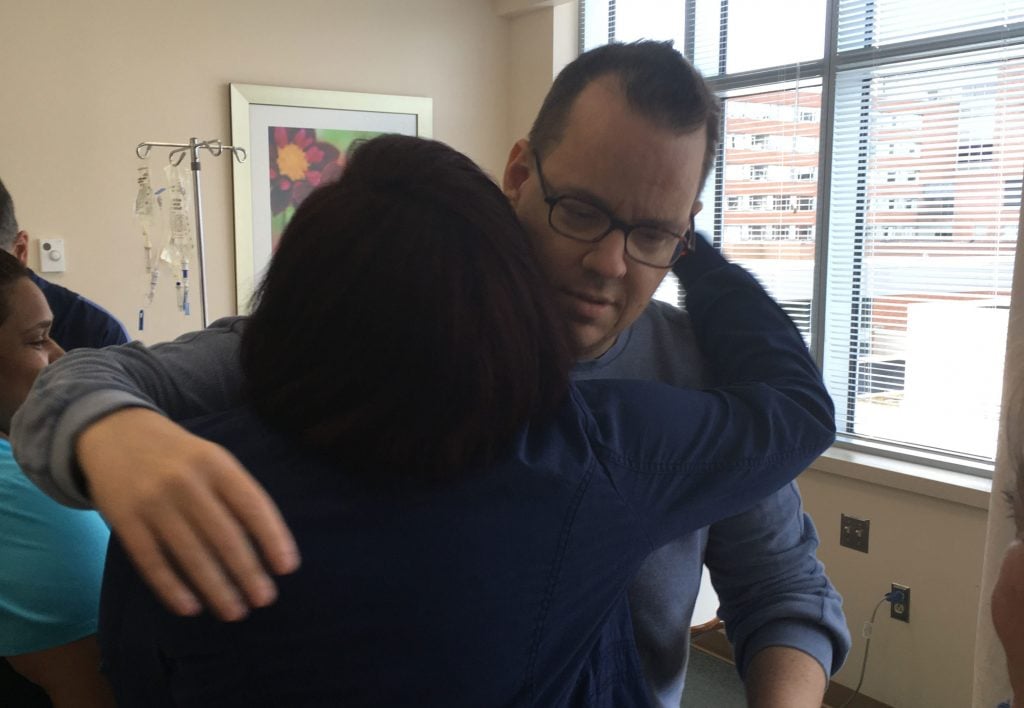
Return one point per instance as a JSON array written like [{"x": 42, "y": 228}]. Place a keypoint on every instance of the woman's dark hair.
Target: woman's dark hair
[
  {"x": 11, "y": 270},
  {"x": 403, "y": 325},
  {"x": 657, "y": 81}
]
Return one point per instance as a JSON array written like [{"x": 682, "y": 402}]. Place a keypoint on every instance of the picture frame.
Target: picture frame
[{"x": 294, "y": 139}]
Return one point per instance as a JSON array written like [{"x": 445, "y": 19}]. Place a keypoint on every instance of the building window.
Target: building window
[
  {"x": 759, "y": 141},
  {"x": 924, "y": 152},
  {"x": 781, "y": 202},
  {"x": 974, "y": 153},
  {"x": 732, "y": 203}
]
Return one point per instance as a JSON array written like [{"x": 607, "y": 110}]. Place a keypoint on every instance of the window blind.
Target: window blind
[
  {"x": 870, "y": 176},
  {"x": 927, "y": 160}
]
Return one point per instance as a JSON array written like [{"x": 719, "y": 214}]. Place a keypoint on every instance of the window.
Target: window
[
  {"x": 1012, "y": 193},
  {"x": 922, "y": 159},
  {"x": 781, "y": 202},
  {"x": 977, "y": 152},
  {"x": 760, "y": 141},
  {"x": 732, "y": 203}
]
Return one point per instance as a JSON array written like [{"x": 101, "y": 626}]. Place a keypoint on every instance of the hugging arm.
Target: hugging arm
[
  {"x": 178, "y": 502},
  {"x": 705, "y": 455}
]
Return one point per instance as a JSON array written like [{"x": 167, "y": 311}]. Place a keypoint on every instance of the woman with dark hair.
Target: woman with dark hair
[
  {"x": 51, "y": 556},
  {"x": 469, "y": 520}
]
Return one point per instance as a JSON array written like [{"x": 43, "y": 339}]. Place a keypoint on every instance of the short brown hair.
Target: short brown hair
[{"x": 657, "y": 81}]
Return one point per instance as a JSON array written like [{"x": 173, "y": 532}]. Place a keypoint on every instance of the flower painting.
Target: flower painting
[
  {"x": 300, "y": 160},
  {"x": 295, "y": 139}
]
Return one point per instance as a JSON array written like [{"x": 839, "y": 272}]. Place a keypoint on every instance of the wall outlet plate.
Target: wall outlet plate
[
  {"x": 853, "y": 533},
  {"x": 900, "y": 610},
  {"x": 51, "y": 255}
]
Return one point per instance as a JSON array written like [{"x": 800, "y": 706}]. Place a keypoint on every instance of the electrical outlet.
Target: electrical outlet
[
  {"x": 853, "y": 533},
  {"x": 900, "y": 609}
]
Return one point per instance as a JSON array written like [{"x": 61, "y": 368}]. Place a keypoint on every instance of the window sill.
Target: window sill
[{"x": 913, "y": 477}]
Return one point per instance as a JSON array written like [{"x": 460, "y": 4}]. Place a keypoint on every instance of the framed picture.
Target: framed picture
[{"x": 295, "y": 139}]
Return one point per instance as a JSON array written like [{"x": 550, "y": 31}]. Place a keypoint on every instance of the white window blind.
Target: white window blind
[{"x": 870, "y": 175}]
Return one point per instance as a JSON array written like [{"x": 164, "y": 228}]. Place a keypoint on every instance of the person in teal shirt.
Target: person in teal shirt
[{"x": 52, "y": 556}]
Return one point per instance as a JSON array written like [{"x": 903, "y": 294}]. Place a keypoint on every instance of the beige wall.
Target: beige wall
[
  {"x": 83, "y": 83},
  {"x": 931, "y": 545}
]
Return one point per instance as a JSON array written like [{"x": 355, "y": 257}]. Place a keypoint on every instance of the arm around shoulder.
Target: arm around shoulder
[{"x": 193, "y": 375}]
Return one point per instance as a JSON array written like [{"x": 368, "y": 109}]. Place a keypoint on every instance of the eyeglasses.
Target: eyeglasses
[{"x": 582, "y": 221}]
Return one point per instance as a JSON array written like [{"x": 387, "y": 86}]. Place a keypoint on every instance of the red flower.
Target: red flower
[{"x": 298, "y": 164}]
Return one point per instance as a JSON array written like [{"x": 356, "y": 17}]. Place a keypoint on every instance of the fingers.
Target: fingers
[
  {"x": 204, "y": 526},
  {"x": 191, "y": 552},
  {"x": 222, "y": 562},
  {"x": 197, "y": 526},
  {"x": 144, "y": 550},
  {"x": 250, "y": 504}
]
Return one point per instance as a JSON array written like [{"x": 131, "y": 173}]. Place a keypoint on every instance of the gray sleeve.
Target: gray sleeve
[{"x": 197, "y": 373}]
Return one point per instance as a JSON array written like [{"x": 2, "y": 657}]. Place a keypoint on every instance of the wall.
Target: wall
[
  {"x": 932, "y": 545},
  {"x": 83, "y": 83},
  {"x": 542, "y": 39}
]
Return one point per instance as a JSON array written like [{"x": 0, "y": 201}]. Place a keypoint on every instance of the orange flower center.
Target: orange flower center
[{"x": 291, "y": 162}]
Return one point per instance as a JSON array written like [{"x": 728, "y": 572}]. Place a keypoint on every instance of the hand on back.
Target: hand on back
[{"x": 199, "y": 528}]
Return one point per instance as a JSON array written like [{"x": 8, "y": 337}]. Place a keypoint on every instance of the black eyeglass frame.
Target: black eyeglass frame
[{"x": 687, "y": 239}]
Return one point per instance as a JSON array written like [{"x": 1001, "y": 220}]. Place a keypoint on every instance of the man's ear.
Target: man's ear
[
  {"x": 20, "y": 247},
  {"x": 696, "y": 209},
  {"x": 517, "y": 169}
]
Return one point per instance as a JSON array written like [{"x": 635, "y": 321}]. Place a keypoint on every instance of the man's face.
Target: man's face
[
  {"x": 639, "y": 172},
  {"x": 25, "y": 346}
]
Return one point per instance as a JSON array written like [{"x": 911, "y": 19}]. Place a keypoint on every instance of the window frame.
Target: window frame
[{"x": 826, "y": 70}]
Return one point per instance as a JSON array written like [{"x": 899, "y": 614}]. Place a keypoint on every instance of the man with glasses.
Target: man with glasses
[{"x": 607, "y": 187}]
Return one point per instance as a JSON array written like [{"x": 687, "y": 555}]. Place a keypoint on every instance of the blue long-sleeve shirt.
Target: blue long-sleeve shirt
[
  {"x": 772, "y": 589},
  {"x": 508, "y": 588}
]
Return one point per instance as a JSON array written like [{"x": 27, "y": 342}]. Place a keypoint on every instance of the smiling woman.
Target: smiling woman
[{"x": 52, "y": 556}]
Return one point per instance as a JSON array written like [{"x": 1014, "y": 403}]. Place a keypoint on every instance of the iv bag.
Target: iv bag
[{"x": 145, "y": 213}]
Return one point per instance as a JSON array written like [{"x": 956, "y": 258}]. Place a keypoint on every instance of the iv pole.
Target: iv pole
[{"x": 175, "y": 156}]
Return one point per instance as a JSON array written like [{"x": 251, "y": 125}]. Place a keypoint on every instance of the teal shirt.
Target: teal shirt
[{"x": 52, "y": 565}]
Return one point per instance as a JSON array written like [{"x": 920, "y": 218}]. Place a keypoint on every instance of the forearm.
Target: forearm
[
  {"x": 782, "y": 677},
  {"x": 193, "y": 375}
]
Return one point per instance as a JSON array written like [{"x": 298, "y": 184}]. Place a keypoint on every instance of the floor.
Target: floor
[{"x": 712, "y": 683}]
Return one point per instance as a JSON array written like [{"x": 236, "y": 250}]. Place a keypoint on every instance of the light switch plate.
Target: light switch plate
[{"x": 51, "y": 255}]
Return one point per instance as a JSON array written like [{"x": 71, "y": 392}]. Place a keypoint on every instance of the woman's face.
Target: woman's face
[{"x": 25, "y": 346}]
